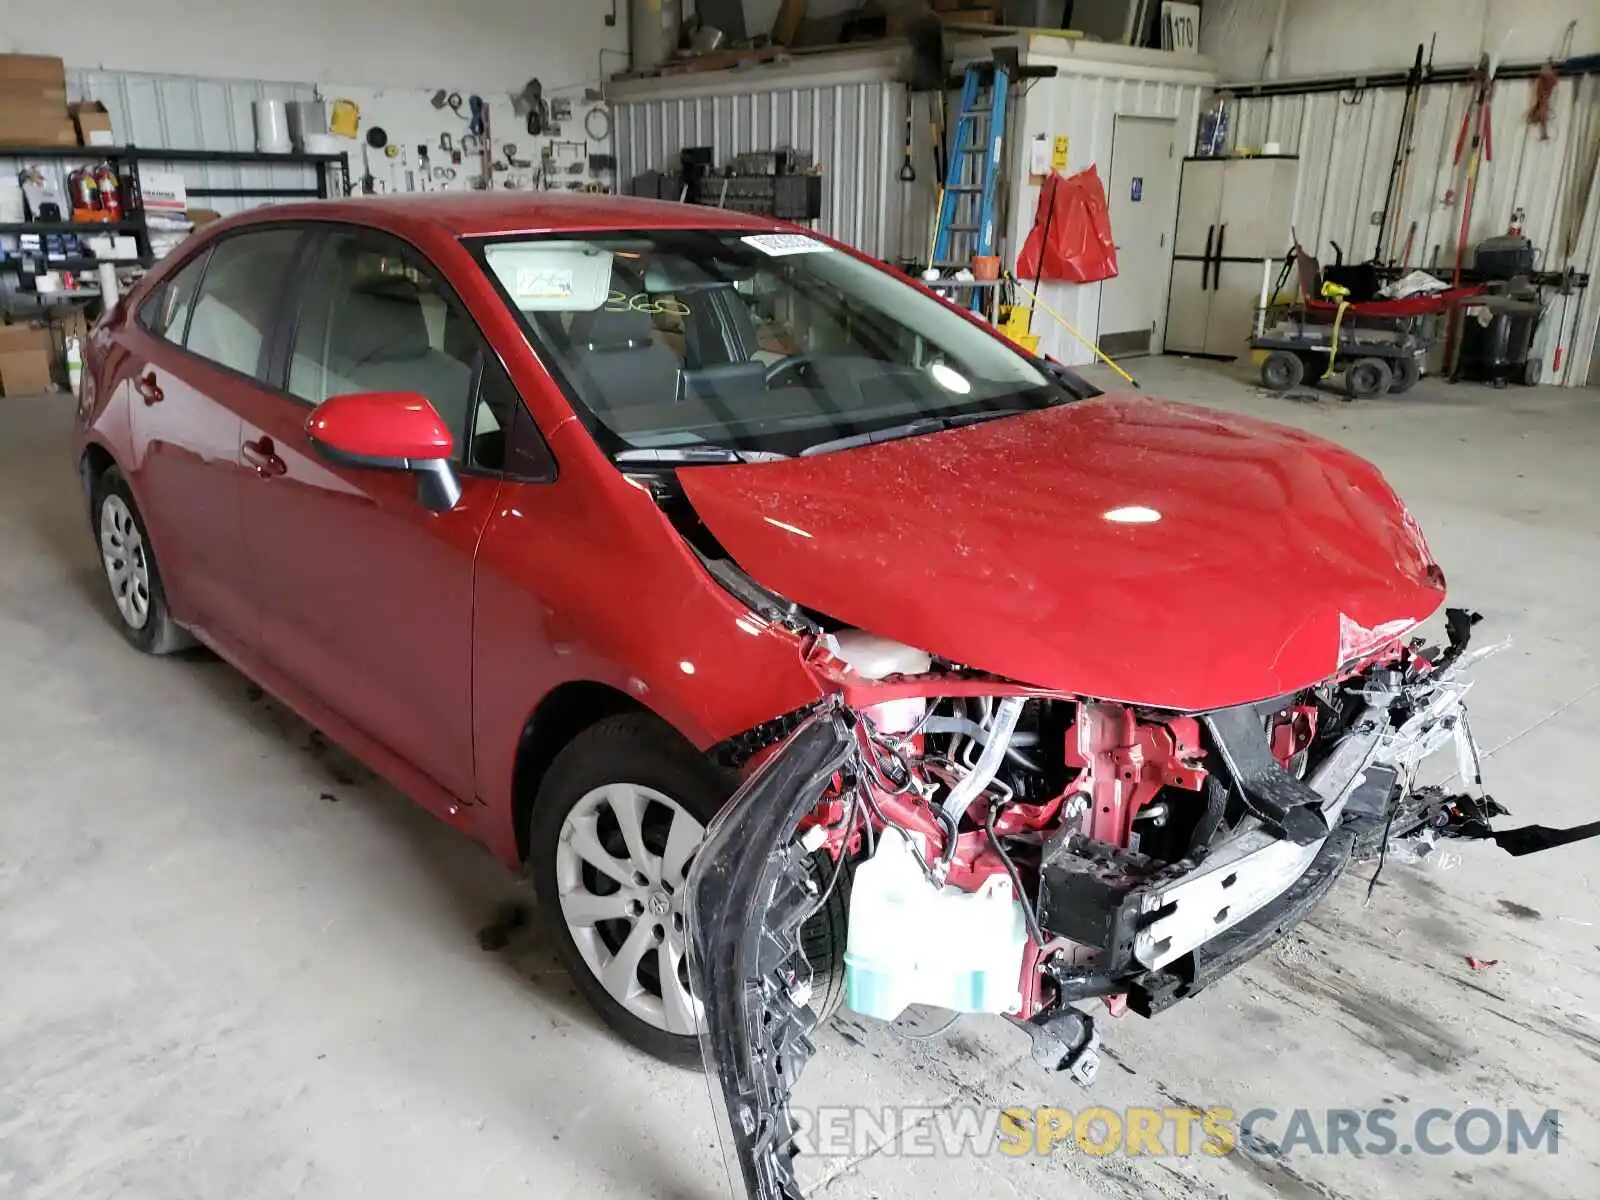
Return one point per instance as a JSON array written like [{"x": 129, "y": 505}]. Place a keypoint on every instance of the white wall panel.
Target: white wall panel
[
  {"x": 477, "y": 45},
  {"x": 853, "y": 129},
  {"x": 1346, "y": 37}
]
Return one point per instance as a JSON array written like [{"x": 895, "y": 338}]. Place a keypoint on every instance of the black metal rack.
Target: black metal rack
[{"x": 135, "y": 221}]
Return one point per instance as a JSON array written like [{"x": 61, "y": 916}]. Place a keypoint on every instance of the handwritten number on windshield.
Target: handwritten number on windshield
[{"x": 619, "y": 302}]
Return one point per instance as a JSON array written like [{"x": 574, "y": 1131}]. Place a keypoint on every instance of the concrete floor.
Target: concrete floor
[{"x": 233, "y": 965}]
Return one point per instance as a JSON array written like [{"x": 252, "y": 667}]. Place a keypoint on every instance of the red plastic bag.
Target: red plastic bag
[{"x": 1073, "y": 225}]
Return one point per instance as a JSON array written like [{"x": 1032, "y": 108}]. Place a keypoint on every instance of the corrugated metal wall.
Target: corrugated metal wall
[
  {"x": 1085, "y": 108},
  {"x": 184, "y": 112},
  {"x": 1346, "y": 143},
  {"x": 853, "y": 129}
]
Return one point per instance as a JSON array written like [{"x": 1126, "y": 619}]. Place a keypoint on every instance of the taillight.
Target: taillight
[{"x": 86, "y": 395}]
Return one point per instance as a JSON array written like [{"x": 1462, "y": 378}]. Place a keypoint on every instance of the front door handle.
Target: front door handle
[
  {"x": 150, "y": 389},
  {"x": 263, "y": 456}
]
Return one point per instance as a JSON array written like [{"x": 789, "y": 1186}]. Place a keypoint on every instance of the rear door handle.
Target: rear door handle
[
  {"x": 150, "y": 389},
  {"x": 262, "y": 455}
]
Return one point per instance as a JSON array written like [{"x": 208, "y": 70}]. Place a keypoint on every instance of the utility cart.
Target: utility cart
[{"x": 1379, "y": 346}]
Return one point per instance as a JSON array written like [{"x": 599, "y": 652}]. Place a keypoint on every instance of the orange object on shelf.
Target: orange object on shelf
[{"x": 986, "y": 267}]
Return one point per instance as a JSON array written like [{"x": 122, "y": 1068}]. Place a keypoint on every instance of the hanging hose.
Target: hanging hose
[
  {"x": 1332, "y": 291},
  {"x": 1067, "y": 325}
]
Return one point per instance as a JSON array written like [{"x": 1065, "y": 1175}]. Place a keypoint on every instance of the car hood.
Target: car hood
[{"x": 1120, "y": 547}]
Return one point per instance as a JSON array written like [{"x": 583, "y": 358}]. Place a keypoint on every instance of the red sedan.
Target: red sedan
[{"x": 565, "y": 515}]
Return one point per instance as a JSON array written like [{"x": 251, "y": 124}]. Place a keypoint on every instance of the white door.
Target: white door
[{"x": 1142, "y": 195}]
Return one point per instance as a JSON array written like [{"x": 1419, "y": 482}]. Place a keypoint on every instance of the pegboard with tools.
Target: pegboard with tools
[{"x": 422, "y": 140}]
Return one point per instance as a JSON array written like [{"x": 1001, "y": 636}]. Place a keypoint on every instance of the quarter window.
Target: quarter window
[{"x": 165, "y": 312}]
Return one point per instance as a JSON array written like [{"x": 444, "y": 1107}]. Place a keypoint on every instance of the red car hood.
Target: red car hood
[{"x": 1119, "y": 547}]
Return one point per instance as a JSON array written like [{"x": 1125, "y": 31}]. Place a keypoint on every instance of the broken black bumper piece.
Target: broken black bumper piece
[{"x": 750, "y": 892}]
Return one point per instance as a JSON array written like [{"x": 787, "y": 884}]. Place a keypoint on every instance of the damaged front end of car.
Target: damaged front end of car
[{"x": 1017, "y": 851}]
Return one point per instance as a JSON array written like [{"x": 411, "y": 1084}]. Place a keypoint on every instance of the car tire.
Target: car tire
[
  {"x": 133, "y": 578},
  {"x": 1282, "y": 370},
  {"x": 636, "y": 763},
  {"x": 1367, "y": 378}
]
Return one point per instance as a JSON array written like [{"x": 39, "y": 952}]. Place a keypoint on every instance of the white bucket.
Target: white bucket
[{"x": 272, "y": 126}]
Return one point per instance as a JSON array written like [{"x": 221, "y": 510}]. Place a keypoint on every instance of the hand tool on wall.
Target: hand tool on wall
[
  {"x": 1405, "y": 142},
  {"x": 1479, "y": 120},
  {"x": 908, "y": 172}
]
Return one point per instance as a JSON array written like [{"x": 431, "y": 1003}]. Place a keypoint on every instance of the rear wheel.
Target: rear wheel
[
  {"x": 1282, "y": 370},
  {"x": 1367, "y": 377},
  {"x": 1407, "y": 371},
  {"x": 618, "y": 820},
  {"x": 129, "y": 563}
]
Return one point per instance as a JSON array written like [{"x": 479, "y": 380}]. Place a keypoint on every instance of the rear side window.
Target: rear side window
[
  {"x": 240, "y": 297},
  {"x": 165, "y": 311},
  {"x": 376, "y": 318}
]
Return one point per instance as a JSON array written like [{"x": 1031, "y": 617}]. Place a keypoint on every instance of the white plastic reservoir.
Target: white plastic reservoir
[{"x": 912, "y": 942}]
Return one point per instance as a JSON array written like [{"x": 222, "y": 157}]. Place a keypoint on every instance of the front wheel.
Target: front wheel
[
  {"x": 129, "y": 562},
  {"x": 617, "y": 822},
  {"x": 1282, "y": 370}
]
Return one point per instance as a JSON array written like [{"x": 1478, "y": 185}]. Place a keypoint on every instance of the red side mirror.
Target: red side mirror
[
  {"x": 394, "y": 431},
  {"x": 398, "y": 430}
]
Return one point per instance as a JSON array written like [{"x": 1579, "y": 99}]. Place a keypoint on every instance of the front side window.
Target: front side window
[
  {"x": 375, "y": 319},
  {"x": 689, "y": 342},
  {"x": 240, "y": 297},
  {"x": 165, "y": 311}
]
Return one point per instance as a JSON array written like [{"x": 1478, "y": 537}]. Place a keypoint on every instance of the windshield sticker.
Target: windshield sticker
[{"x": 780, "y": 244}]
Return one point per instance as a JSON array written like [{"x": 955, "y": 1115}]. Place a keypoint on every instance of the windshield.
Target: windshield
[{"x": 688, "y": 345}]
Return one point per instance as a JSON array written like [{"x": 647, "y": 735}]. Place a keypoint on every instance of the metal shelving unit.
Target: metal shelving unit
[{"x": 332, "y": 178}]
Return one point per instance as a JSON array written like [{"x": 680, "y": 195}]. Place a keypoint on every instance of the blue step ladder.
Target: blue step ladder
[{"x": 966, "y": 205}]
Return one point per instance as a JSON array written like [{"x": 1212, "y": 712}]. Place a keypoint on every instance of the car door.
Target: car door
[
  {"x": 197, "y": 346},
  {"x": 363, "y": 595}
]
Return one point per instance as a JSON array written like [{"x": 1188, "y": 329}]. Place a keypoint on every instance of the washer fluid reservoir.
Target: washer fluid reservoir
[{"x": 911, "y": 941}]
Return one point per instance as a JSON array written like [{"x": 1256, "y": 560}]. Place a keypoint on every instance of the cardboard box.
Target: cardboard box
[
  {"x": 25, "y": 373},
  {"x": 94, "y": 123},
  {"x": 163, "y": 192},
  {"x": 36, "y": 124},
  {"x": 33, "y": 102},
  {"x": 25, "y": 354},
  {"x": 41, "y": 70}
]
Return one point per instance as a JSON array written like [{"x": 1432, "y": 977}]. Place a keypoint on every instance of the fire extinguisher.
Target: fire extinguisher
[
  {"x": 84, "y": 190},
  {"x": 110, "y": 189}
]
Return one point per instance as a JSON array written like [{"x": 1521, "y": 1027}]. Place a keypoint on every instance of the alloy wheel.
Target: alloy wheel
[
  {"x": 122, "y": 550},
  {"x": 621, "y": 860}
]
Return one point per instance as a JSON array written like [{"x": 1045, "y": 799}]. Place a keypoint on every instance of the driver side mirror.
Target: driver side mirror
[{"x": 389, "y": 431}]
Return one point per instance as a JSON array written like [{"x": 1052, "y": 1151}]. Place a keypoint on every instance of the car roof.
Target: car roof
[{"x": 478, "y": 214}]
